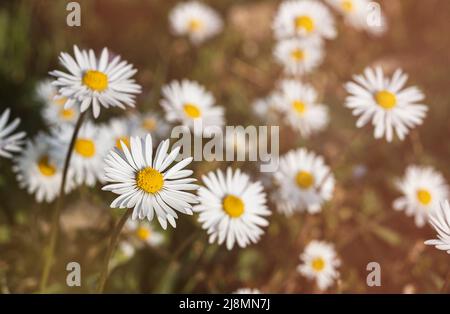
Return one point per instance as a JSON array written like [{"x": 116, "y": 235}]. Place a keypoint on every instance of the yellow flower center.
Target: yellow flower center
[
  {"x": 85, "y": 147},
  {"x": 304, "y": 22},
  {"x": 125, "y": 140},
  {"x": 67, "y": 114},
  {"x": 424, "y": 196},
  {"x": 347, "y": 5},
  {"x": 299, "y": 106},
  {"x": 149, "y": 180},
  {"x": 318, "y": 264},
  {"x": 233, "y": 206},
  {"x": 195, "y": 25},
  {"x": 149, "y": 124},
  {"x": 95, "y": 80},
  {"x": 45, "y": 167},
  {"x": 298, "y": 54},
  {"x": 385, "y": 99},
  {"x": 304, "y": 179},
  {"x": 60, "y": 101},
  {"x": 143, "y": 233},
  {"x": 191, "y": 110}
]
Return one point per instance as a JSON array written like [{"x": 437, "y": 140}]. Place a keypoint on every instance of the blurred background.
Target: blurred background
[{"x": 237, "y": 67}]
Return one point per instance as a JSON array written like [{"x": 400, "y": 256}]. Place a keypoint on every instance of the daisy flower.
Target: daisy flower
[
  {"x": 299, "y": 104},
  {"x": 9, "y": 143},
  {"x": 247, "y": 291},
  {"x": 298, "y": 56},
  {"x": 121, "y": 129},
  {"x": 152, "y": 123},
  {"x": 232, "y": 208},
  {"x": 320, "y": 262},
  {"x": 145, "y": 181},
  {"x": 385, "y": 103},
  {"x": 196, "y": 20},
  {"x": 423, "y": 188},
  {"x": 96, "y": 82},
  {"x": 265, "y": 108},
  {"x": 304, "y": 182},
  {"x": 305, "y": 19},
  {"x": 39, "y": 169},
  {"x": 143, "y": 232},
  {"x": 189, "y": 103},
  {"x": 440, "y": 220}
]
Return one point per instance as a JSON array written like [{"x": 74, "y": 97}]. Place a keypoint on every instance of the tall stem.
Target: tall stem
[
  {"x": 50, "y": 249},
  {"x": 111, "y": 247}
]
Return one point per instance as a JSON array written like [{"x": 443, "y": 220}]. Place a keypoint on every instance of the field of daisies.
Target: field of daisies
[{"x": 89, "y": 174}]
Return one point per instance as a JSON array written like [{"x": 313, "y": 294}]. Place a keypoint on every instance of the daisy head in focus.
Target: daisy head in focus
[
  {"x": 386, "y": 103},
  {"x": 148, "y": 182},
  {"x": 143, "y": 233},
  {"x": 440, "y": 220},
  {"x": 247, "y": 291},
  {"x": 95, "y": 82},
  {"x": 299, "y": 106},
  {"x": 319, "y": 262},
  {"x": 423, "y": 189},
  {"x": 9, "y": 142},
  {"x": 153, "y": 123},
  {"x": 196, "y": 20},
  {"x": 232, "y": 208},
  {"x": 304, "y": 182},
  {"x": 298, "y": 56},
  {"x": 304, "y": 19},
  {"x": 190, "y": 104}
]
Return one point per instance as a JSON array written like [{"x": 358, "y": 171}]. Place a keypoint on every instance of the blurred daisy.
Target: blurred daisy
[
  {"x": 320, "y": 262},
  {"x": 423, "y": 188},
  {"x": 143, "y": 232},
  {"x": 232, "y": 208},
  {"x": 298, "y": 56},
  {"x": 304, "y": 182},
  {"x": 303, "y": 18},
  {"x": 440, "y": 220},
  {"x": 196, "y": 20},
  {"x": 247, "y": 291},
  {"x": 265, "y": 108},
  {"x": 382, "y": 101},
  {"x": 298, "y": 103},
  {"x": 48, "y": 94},
  {"x": 9, "y": 143},
  {"x": 190, "y": 103},
  {"x": 39, "y": 171},
  {"x": 55, "y": 114},
  {"x": 152, "y": 123},
  {"x": 145, "y": 182},
  {"x": 121, "y": 129},
  {"x": 96, "y": 82}
]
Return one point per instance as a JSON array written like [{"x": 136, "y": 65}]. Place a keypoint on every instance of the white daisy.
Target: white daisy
[
  {"x": 152, "y": 123},
  {"x": 96, "y": 82},
  {"x": 299, "y": 104},
  {"x": 440, "y": 220},
  {"x": 265, "y": 108},
  {"x": 247, "y": 291},
  {"x": 189, "y": 103},
  {"x": 304, "y": 182},
  {"x": 303, "y": 18},
  {"x": 9, "y": 143},
  {"x": 196, "y": 20},
  {"x": 232, "y": 208},
  {"x": 320, "y": 262},
  {"x": 143, "y": 232},
  {"x": 298, "y": 56},
  {"x": 145, "y": 182},
  {"x": 423, "y": 188},
  {"x": 39, "y": 169},
  {"x": 375, "y": 98},
  {"x": 121, "y": 129}
]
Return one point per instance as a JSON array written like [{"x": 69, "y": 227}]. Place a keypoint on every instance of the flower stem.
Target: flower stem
[
  {"x": 111, "y": 247},
  {"x": 50, "y": 249}
]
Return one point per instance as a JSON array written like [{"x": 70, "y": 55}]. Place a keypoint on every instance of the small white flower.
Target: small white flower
[
  {"x": 440, "y": 220},
  {"x": 232, "y": 208},
  {"x": 121, "y": 129},
  {"x": 247, "y": 291},
  {"x": 382, "y": 101},
  {"x": 304, "y": 182},
  {"x": 299, "y": 104},
  {"x": 96, "y": 82},
  {"x": 143, "y": 232},
  {"x": 304, "y": 18},
  {"x": 145, "y": 182},
  {"x": 423, "y": 188},
  {"x": 320, "y": 262},
  {"x": 152, "y": 123},
  {"x": 265, "y": 108},
  {"x": 299, "y": 56},
  {"x": 9, "y": 143},
  {"x": 196, "y": 20},
  {"x": 189, "y": 103}
]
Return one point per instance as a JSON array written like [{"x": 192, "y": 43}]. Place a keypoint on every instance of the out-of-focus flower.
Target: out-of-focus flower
[
  {"x": 304, "y": 182},
  {"x": 440, "y": 220},
  {"x": 320, "y": 262},
  {"x": 9, "y": 143},
  {"x": 196, "y": 20},
  {"x": 143, "y": 233},
  {"x": 423, "y": 188},
  {"x": 247, "y": 291},
  {"x": 121, "y": 129},
  {"x": 385, "y": 103},
  {"x": 145, "y": 182},
  {"x": 152, "y": 123},
  {"x": 232, "y": 208},
  {"x": 265, "y": 108},
  {"x": 96, "y": 82}
]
